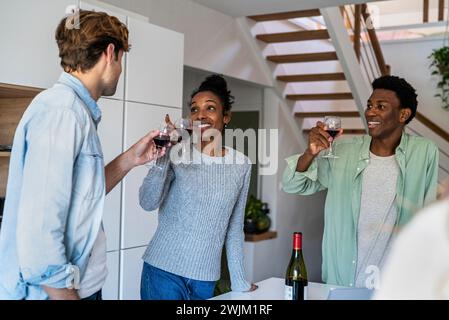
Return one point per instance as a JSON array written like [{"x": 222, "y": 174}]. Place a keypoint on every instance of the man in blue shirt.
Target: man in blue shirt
[{"x": 52, "y": 244}]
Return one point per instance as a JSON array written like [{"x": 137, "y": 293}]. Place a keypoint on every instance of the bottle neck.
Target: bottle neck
[
  {"x": 297, "y": 245},
  {"x": 296, "y": 253},
  {"x": 297, "y": 242}
]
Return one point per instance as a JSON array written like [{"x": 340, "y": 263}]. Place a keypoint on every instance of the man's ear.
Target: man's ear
[
  {"x": 227, "y": 117},
  {"x": 110, "y": 53},
  {"x": 405, "y": 114}
]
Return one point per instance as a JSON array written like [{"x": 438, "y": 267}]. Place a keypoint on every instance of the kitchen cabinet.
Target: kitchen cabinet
[
  {"x": 138, "y": 225},
  {"x": 131, "y": 269},
  {"x": 29, "y": 54},
  {"x": 13, "y": 102},
  {"x": 110, "y": 131},
  {"x": 154, "y": 65},
  {"x": 119, "y": 93},
  {"x": 110, "y": 288}
]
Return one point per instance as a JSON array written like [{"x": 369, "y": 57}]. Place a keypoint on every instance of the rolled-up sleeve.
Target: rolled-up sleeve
[
  {"x": 308, "y": 182},
  {"x": 53, "y": 140}
]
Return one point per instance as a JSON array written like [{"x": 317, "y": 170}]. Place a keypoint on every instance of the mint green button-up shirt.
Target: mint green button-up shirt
[{"x": 416, "y": 186}]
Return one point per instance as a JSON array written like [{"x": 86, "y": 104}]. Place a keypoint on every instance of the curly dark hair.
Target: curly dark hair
[
  {"x": 216, "y": 84},
  {"x": 404, "y": 91}
]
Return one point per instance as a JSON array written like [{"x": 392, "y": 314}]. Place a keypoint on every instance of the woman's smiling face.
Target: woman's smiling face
[{"x": 207, "y": 108}]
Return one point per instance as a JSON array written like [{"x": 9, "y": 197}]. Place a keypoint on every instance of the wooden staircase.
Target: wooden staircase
[
  {"x": 312, "y": 77},
  {"x": 294, "y": 57},
  {"x": 312, "y": 101}
]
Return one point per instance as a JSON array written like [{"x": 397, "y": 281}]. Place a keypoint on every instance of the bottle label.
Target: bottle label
[{"x": 288, "y": 292}]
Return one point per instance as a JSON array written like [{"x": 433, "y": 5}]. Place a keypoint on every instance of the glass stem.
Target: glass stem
[{"x": 157, "y": 156}]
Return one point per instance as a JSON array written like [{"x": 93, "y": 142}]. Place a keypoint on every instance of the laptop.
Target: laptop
[{"x": 350, "y": 294}]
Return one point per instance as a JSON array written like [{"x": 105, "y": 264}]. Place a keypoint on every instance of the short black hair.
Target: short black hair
[
  {"x": 404, "y": 91},
  {"x": 216, "y": 84}
]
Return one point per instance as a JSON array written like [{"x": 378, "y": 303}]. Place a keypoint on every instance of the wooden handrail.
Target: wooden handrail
[
  {"x": 440, "y": 10},
  {"x": 357, "y": 29},
  {"x": 432, "y": 126},
  {"x": 425, "y": 13},
  {"x": 375, "y": 42}
]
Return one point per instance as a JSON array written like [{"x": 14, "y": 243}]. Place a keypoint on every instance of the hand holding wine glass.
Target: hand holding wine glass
[
  {"x": 333, "y": 129},
  {"x": 320, "y": 139},
  {"x": 161, "y": 141},
  {"x": 145, "y": 150}
]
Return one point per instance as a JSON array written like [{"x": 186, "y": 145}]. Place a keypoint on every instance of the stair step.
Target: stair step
[
  {"x": 320, "y": 96},
  {"x": 286, "y": 15},
  {"x": 303, "y": 57},
  {"x": 293, "y": 36},
  {"x": 342, "y": 114},
  {"x": 312, "y": 77},
  {"x": 345, "y": 131}
]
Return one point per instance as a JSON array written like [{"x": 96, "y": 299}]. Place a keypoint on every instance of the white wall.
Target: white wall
[
  {"x": 292, "y": 212},
  {"x": 248, "y": 96},
  {"x": 213, "y": 41},
  {"x": 415, "y": 69},
  {"x": 289, "y": 213}
]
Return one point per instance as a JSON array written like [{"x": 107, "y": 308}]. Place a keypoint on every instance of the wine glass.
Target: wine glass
[
  {"x": 161, "y": 140},
  {"x": 333, "y": 125},
  {"x": 184, "y": 126}
]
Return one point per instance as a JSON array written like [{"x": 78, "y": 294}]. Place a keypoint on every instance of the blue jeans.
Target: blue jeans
[
  {"x": 96, "y": 296},
  {"x": 157, "y": 284}
]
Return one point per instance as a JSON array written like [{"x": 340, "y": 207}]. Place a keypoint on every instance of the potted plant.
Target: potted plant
[
  {"x": 440, "y": 61},
  {"x": 256, "y": 218}
]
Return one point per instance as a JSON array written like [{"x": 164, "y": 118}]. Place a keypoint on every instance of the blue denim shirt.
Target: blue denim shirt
[{"x": 55, "y": 193}]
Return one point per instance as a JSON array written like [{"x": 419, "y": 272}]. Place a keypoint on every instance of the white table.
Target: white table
[{"x": 273, "y": 289}]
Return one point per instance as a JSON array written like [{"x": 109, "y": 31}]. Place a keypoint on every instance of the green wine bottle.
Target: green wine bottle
[{"x": 296, "y": 274}]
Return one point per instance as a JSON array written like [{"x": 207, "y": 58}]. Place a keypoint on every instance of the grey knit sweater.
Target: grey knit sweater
[{"x": 201, "y": 208}]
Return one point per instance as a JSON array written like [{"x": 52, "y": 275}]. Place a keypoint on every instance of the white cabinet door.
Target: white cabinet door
[
  {"x": 119, "y": 93},
  {"x": 154, "y": 65},
  {"x": 110, "y": 288},
  {"x": 110, "y": 131},
  {"x": 29, "y": 55},
  {"x": 138, "y": 226},
  {"x": 131, "y": 270}
]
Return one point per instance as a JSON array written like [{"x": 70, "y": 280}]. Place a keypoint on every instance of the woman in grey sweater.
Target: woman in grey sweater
[{"x": 201, "y": 208}]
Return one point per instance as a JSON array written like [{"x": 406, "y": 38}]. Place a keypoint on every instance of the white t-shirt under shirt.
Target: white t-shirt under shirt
[
  {"x": 378, "y": 213},
  {"x": 96, "y": 270},
  {"x": 418, "y": 267}
]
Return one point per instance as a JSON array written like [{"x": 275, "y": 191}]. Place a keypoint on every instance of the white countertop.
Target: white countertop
[{"x": 273, "y": 289}]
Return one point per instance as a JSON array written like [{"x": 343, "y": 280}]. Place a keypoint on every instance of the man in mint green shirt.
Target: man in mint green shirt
[{"x": 374, "y": 186}]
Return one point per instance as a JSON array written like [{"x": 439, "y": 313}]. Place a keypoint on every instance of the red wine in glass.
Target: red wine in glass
[
  {"x": 333, "y": 133},
  {"x": 333, "y": 125},
  {"x": 161, "y": 141}
]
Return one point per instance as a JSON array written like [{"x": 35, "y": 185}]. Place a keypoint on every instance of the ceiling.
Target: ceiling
[{"x": 240, "y": 8}]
